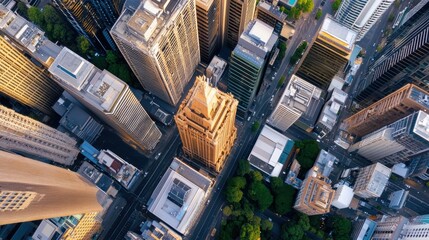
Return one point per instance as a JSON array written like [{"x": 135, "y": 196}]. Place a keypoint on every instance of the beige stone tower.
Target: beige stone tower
[
  {"x": 205, "y": 121},
  {"x": 32, "y": 190}
]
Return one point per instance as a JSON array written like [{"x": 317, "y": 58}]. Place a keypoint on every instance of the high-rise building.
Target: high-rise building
[
  {"x": 295, "y": 100},
  {"x": 159, "y": 40},
  {"x": 86, "y": 228},
  {"x": 419, "y": 166},
  {"x": 106, "y": 96},
  {"x": 363, "y": 229},
  {"x": 32, "y": 190},
  {"x": 328, "y": 54},
  {"x": 372, "y": 180},
  {"x": 20, "y": 78},
  {"x": 23, "y": 135},
  {"x": 91, "y": 18},
  {"x": 180, "y": 196},
  {"x": 248, "y": 63},
  {"x": 210, "y": 27},
  {"x": 396, "y": 142},
  {"x": 416, "y": 229},
  {"x": 395, "y": 106},
  {"x": 404, "y": 59},
  {"x": 389, "y": 228},
  {"x": 271, "y": 15},
  {"x": 206, "y": 124},
  {"x": 360, "y": 15},
  {"x": 239, "y": 14},
  {"x": 316, "y": 194}
]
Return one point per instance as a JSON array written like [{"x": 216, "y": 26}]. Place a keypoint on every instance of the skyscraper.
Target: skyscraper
[
  {"x": 372, "y": 180},
  {"x": 159, "y": 40},
  {"x": 404, "y": 59},
  {"x": 295, "y": 101},
  {"x": 360, "y": 15},
  {"x": 315, "y": 196},
  {"x": 396, "y": 142},
  {"x": 32, "y": 190},
  {"x": 398, "y": 104},
  {"x": 248, "y": 63},
  {"x": 210, "y": 27},
  {"x": 205, "y": 121},
  {"x": 31, "y": 138},
  {"x": 328, "y": 54},
  {"x": 416, "y": 229},
  {"x": 106, "y": 96},
  {"x": 91, "y": 18},
  {"x": 389, "y": 228},
  {"x": 20, "y": 78},
  {"x": 239, "y": 14}
]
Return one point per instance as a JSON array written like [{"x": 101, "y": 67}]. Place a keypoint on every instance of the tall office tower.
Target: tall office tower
[
  {"x": 360, "y": 15},
  {"x": 396, "y": 142},
  {"x": 389, "y": 228},
  {"x": 86, "y": 228},
  {"x": 210, "y": 26},
  {"x": 205, "y": 121},
  {"x": 20, "y": 78},
  {"x": 328, "y": 54},
  {"x": 118, "y": 5},
  {"x": 271, "y": 15},
  {"x": 315, "y": 196},
  {"x": 295, "y": 101},
  {"x": 404, "y": 59},
  {"x": 91, "y": 18},
  {"x": 395, "y": 106},
  {"x": 31, "y": 138},
  {"x": 248, "y": 63},
  {"x": 106, "y": 96},
  {"x": 419, "y": 166},
  {"x": 239, "y": 14},
  {"x": 416, "y": 229},
  {"x": 159, "y": 40},
  {"x": 32, "y": 190},
  {"x": 372, "y": 180}
]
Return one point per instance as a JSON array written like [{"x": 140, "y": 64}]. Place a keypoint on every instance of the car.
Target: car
[
  {"x": 248, "y": 119},
  {"x": 374, "y": 44},
  {"x": 158, "y": 155},
  {"x": 269, "y": 219}
]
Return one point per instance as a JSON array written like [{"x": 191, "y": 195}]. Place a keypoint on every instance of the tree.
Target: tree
[
  {"x": 341, "y": 227},
  {"x": 259, "y": 193},
  {"x": 304, "y": 222},
  {"x": 292, "y": 232},
  {"x": 282, "y": 50},
  {"x": 306, "y": 5},
  {"x": 336, "y": 5},
  {"x": 83, "y": 44},
  {"x": 284, "y": 199},
  {"x": 233, "y": 195},
  {"x": 255, "y": 126},
  {"x": 276, "y": 184},
  {"x": 318, "y": 14},
  {"x": 35, "y": 15},
  {"x": 266, "y": 225},
  {"x": 309, "y": 149},
  {"x": 111, "y": 57},
  {"x": 256, "y": 176},
  {"x": 237, "y": 182},
  {"x": 391, "y": 17},
  {"x": 249, "y": 232},
  {"x": 427, "y": 184},
  {"x": 243, "y": 167},
  {"x": 227, "y": 211}
]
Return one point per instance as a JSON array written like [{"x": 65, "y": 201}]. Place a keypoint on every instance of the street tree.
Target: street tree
[
  {"x": 259, "y": 193},
  {"x": 243, "y": 167}
]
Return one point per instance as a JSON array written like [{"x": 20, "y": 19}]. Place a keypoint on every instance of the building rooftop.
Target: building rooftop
[
  {"x": 338, "y": 33},
  {"x": 122, "y": 171},
  {"x": 153, "y": 230},
  {"x": 343, "y": 197},
  {"x": 179, "y": 196},
  {"x": 324, "y": 162},
  {"x": 215, "y": 69},
  {"x": 258, "y": 38},
  {"x": 101, "y": 180},
  {"x": 299, "y": 93},
  {"x": 270, "y": 151},
  {"x": 379, "y": 178},
  {"x": 274, "y": 10},
  {"x": 143, "y": 25},
  {"x": 100, "y": 88},
  {"x": 421, "y": 127},
  {"x": 28, "y": 35}
]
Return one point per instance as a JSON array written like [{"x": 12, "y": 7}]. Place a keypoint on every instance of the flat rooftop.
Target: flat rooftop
[
  {"x": 299, "y": 94},
  {"x": 270, "y": 151},
  {"x": 259, "y": 38},
  {"x": 180, "y": 196},
  {"x": 335, "y": 31},
  {"x": 379, "y": 178},
  {"x": 273, "y": 10},
  {"x": 101, "y": 88},
  {"x": 421, "y": 127},
  {"x": 147, "y": 22},
  {"x": 28, "y": 36}
]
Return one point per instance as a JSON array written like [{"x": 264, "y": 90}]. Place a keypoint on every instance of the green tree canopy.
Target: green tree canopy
[
  {"x": 336, "y": 5},
  {"x": 233, "y": 195},
  {"x": 243, "y": 167},
  {"x": 256, "y": 176},
  {"x": 237, "y": 182},
  {"x": 259, "y": 193},
  {"x": 227, "y": 211},
  {"x": 318, "y": 14},
  {"x": 341, "y": 227},
  {"x": 284, "y": 199},
  {"x": 249, "y": 232},
  {"x": 255, "y": 126},
  {"x": 292, "y": 232},
  {"x": 276, "y": 184},
  {"x": 266, "y": 225},
  {"x": 83, "y": 44}
]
